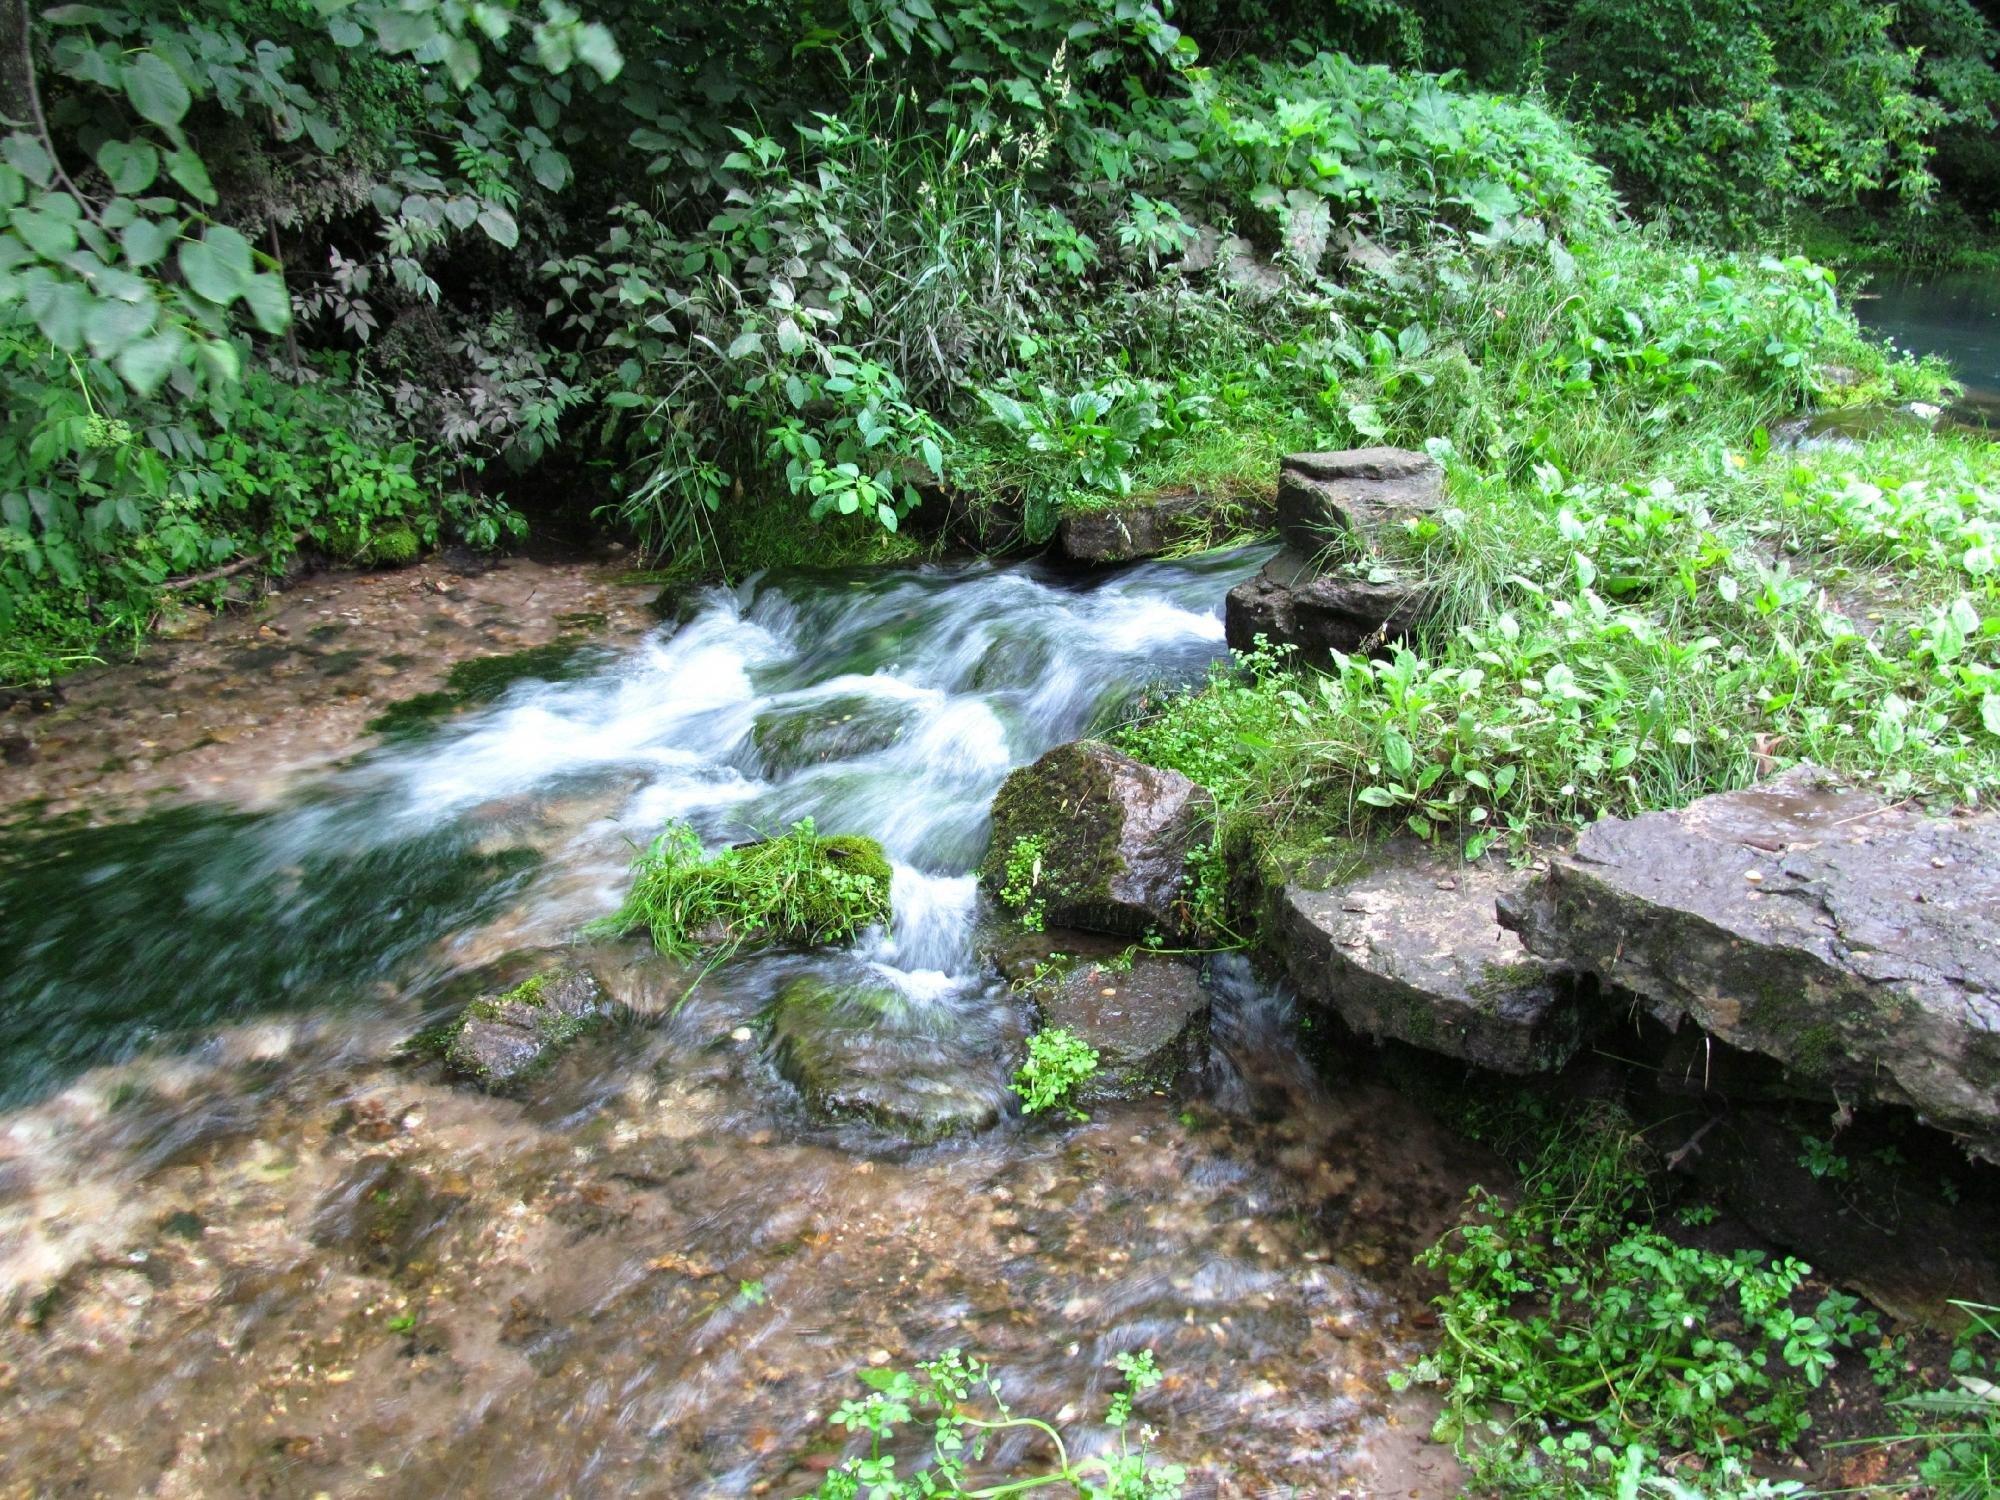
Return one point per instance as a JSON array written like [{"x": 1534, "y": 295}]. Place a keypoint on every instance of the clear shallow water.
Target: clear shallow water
[
  {"x": 1956, "y": 315},
  {"x": 245, "y": 1251}
]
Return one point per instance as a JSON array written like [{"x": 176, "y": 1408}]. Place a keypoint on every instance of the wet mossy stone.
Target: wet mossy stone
[
  {"x": 1148, "y": 1024},
  {"x": 482, "y": 679},
  {"x": 1855, "y": 942},
  {"x": 842, "y": 728},
  {"x": 1114, "y": 835},
  {"x": 866, "y": 1052},
  {"x": 500, "y": 1040}
]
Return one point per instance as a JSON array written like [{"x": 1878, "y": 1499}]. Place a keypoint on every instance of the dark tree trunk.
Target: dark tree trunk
[{"x": 16, "y": 81}]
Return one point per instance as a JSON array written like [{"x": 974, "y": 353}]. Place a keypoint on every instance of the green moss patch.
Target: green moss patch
[
  {"x": 482, "y": 680},
  {"x": 800, "y": 889}
]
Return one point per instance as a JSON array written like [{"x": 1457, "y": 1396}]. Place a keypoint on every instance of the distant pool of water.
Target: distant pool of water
[{"x": 1956, "y": 315}]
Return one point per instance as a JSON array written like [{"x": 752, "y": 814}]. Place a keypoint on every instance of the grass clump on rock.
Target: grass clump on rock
[{"x": 799, "y": 888}]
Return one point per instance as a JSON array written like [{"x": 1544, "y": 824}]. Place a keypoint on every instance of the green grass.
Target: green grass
[
  {"x": 799, "y": 888},
  {"x": 1609, "y": 647}
]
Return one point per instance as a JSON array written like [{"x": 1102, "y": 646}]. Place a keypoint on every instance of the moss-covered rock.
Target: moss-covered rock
[
  {"x": 842, "y": 728},
  {"x": 864, "y": 1052},
  {"x": 1110, "y": 836},
  {"x": 799, "y": 889},
  {"x": 482, "y": 679},
  {"x": 500, "y": 1040}
]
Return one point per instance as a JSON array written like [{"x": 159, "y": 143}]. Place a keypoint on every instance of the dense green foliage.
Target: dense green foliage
[
  {"x": 1582, "y": 1347},
  {"x": 798, "y": 888},
  {"x": 1663, "y": 608},
  {"x": 341, "y": 279}
]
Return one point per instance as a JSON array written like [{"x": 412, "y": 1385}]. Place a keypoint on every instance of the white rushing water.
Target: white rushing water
[{"x": 890, "y": 704}]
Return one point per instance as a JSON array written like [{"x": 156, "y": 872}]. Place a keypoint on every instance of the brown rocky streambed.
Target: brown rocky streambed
[{"x": 250, "y": 1246}]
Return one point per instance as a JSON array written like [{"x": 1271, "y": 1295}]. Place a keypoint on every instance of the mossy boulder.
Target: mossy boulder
[
  {"x": 1857, "y": 943},
  {"x": 1411, "y": 950},
  {"x": 854, "y": 724},
  {"x": 1147, "y": 1021},
  {"x": 865, "y": 1052},
  {"x": 500, "y": 1040},
  {"x": 1112, "y": 835}
]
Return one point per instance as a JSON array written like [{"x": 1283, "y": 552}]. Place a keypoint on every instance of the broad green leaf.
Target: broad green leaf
[
  {"x": 1989, "y": 712},
  {"x": 146, "y": 364},
  {"x": 500, "y": 226},
  {"x": 157, "y": 92},
  {"x": 58, "y": 308},
  {"x": 404, "y": 31},
  {"x": 461, "y": 60},
  {"x": 25, "y": 155},
  {"x": 269, "y": 301},
  {"x": 551, "y": 169},
  {"x": 112, "y": 326},
  {"x": 596, "y": 49},
  {"x": 131, "y": 166},
  {"x": 192, "y": 174},
  {"x": 218, "y": 265},
  {"x": 46, "y": 233},
  {"x": 146, "y": 241},
  {"x": 344, "y": 32}
]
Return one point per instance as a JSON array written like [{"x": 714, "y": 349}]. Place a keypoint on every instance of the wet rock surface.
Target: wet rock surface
[
  {"x": 1114, "y": 835},
  {"x": 827, "y": 729},
  {"x": 1412, "y": 951},
  {"x": 502, "y": 1039},
  {"x": 867, "y": 1052},
  {"x": 1155, "y": 524},
  {"x": 1147, "y": 1023},
  {"x": 1291, "y": 603},
  {"x": 1345, "y": 500},
  {"x": 1857, "y": 943}
]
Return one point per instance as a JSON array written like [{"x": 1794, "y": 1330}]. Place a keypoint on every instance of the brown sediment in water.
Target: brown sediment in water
[
  {"x": 243, "y": 706},
  {"x": 354, "y": 1279}
]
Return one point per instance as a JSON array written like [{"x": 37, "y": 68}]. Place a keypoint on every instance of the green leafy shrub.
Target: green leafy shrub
[
  {"x": 1059, "y": 1062},
  {"x": 799, "y": 888},
  {"x": 958, "y": 1400}
]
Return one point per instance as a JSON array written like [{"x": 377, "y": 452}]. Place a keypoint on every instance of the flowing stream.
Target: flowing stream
[{"x": 249, "y": 1249}]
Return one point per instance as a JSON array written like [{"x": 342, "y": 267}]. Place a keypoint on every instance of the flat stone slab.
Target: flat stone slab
[
  {"x": 867, "y": 1052},
  {"x": 1155, "y": 524},
  {"x": 1346, "y": 499},
  {"x": 1413, "y": 951},
  {"x": 1291, "y": 603},
  {"x": 1856, "y": 943},
  {"x": 1148, "y": 1024}
]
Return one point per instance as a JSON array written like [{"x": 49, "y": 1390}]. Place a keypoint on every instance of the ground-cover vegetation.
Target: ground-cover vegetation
[
  {"x": 354, "y": 279},
  {"x": 795, "y": 888},
  {"x": 1615, "y": 646},
  {"x": 957, "y": 1402}
]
